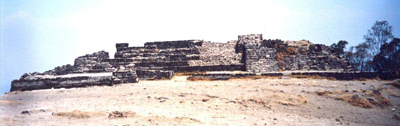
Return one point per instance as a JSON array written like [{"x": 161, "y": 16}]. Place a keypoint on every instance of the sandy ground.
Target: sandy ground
[{"x": 269, "y": 101}]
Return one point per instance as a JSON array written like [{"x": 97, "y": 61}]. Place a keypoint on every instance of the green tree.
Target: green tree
[
  {"x": 379, "y": 34},
  {"x": 360, "y": 56},
  {"x": 357, "y": 56},
  {"x": 351, "y": 58},
  {"x": 388, "y": 59},
  {"x": 338, "y": 49}
]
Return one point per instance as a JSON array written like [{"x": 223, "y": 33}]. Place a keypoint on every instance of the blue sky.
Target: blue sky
[{"x": 38, "y": 35}]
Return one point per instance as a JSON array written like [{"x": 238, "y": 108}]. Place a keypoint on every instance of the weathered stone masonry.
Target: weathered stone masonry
[
  {"x": 275, "y": 55},
  {"x": 160, "y": 60}
]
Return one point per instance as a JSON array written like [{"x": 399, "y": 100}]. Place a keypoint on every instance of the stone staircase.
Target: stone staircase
[{"x": 157, "y": 59}]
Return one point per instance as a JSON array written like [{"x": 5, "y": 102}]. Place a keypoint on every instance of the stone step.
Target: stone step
[
  {"x": 160, "y": 64},
  {"x": 235, "y": 67},
  {"x": 134, "y": 48},
  {"x": 176, "y": 59},
  {"x": 157, "y": 56},
  {"x": 227, "y": 76},
  {"x": 60, "y": 82},
  {"x": 130, "y": 55},
  {"x": 152, "y": 50},
  {"x": 125, "y": 76},
  {"x": 239, "y": 67},
  {"x": 145, "y": 74},
  {"x": 174, "y": 44},
  {"x": 148, "y": 62}
]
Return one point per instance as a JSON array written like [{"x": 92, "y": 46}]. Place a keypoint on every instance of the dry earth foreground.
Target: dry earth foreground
[{"x": 241, "y": 101}]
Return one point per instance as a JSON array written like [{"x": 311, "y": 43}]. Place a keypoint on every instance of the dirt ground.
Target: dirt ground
[{"x": 265, "y": 101}]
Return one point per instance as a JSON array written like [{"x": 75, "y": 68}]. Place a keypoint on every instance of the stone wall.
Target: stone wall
[
  {"x": 177, "y": 56},
  {"x": 37, "y": 81},
  {"x": 263, "y": 56},
  {"x": 125, "y": 74},
  {"x": 252, "y": 51},
  {"x": 314, "y": 57},
  {"x": 157, "y": 54},
  {"x": 239, "y": 67},
  {"x": 332, "y": 75},
  {"x": 65, "y": 76},
  {"x": 174, "y": 44},
  {"x": 251, "y": 39},
  {"x": 157, "y": 60},
  {"x": 258, "y": 56},
  {"x": 351, "y": 75},
  {"x": 155, "y": 74},
  {"x": 212, "y": 53},
  {"x": 260, "y": 59}
]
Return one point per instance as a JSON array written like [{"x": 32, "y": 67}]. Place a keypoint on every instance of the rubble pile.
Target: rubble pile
[{"x": 90, "y": 63}]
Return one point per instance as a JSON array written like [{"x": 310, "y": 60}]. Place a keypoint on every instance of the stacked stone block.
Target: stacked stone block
[
  {"x": 304, "y": 56},
  {"x": 154, "y": 74},
  {"x": 260, "y": 59},
  {"x": 243, "y": 40},
  {"x": 125, "y": 74},
  {"x": 315, "y": 57},
  {"x": 37, "y": 81},
  {"x": 157, "y": 60}
]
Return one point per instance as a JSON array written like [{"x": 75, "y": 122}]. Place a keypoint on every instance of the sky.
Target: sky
[{"x": 38, "y": 35}]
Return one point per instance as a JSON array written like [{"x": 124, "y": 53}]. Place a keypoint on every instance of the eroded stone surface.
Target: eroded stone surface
[{"x": 160, "y": 60}]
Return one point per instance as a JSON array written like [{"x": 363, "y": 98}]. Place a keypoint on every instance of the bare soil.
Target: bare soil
[{"x": 243, "y": 101}]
